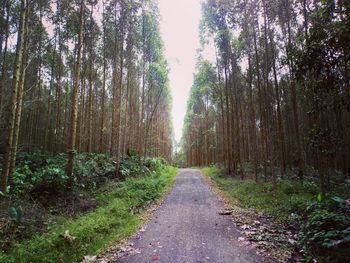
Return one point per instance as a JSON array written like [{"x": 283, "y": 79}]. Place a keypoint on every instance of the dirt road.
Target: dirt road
[{"x": 187, "y": 228}]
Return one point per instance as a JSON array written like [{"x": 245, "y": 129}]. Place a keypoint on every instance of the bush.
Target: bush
[
  {"x": 326, "y": 231},
  {"x": 92, "y": 169},
  {"x": 135, "y": 165},
  {"x": 155, "y": 163},
  {"x": 36, "y": 172},
  {"x": 88, "y": 234},
  {"x": 51, "y": 178}
]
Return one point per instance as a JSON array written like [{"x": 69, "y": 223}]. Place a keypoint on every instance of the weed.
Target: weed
[{"x": 90, "y": 233}]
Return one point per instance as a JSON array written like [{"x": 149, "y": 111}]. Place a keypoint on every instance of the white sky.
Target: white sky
[{"x": 179, "y": 26}]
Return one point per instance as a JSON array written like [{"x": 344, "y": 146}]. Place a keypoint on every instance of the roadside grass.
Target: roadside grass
[
  {"x": 322, "y": 222},
  {"x": 120, "y": 208},
  {"x": 285, "y": 204}
]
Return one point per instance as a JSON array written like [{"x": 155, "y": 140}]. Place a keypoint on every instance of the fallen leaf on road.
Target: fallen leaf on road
[
  {"x": 226, "y": 212},
  {"x": 155, "y": 257}
]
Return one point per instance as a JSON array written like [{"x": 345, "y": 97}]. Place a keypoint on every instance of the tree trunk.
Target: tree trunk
[
  {"x": 74, "y": 96},
  {"x": 13, "y": 103},
  {"x": 20, "y": 94},
  {"x": 4, "y": 56}
]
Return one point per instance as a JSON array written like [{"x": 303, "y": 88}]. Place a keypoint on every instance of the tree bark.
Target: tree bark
[
  {"x": 74, "y": 96},
  {"x": 13, "y": 103}
]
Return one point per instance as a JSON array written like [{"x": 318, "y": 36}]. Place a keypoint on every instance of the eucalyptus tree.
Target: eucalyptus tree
[
  {"x": 322, "y": 66},
  {"x": 74, "y": 94},
  {"x": 199, "y": 140},
  {"x": 13, "y": 110},
  {"x": 5, "y": 25},
  {"x": 277, "y": 63},
  {"x": 89, "y": 76}
]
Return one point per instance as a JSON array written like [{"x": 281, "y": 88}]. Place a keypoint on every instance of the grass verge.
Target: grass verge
[
  {"x": 320, "y": 225},
  {"x": 284, "y": 204},
  {"x": 121, "y": 205}
]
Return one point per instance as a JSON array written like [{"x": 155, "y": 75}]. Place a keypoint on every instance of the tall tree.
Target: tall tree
[
  {"x": 74, "y": 95},
  {"x": 10, "y": 153}
]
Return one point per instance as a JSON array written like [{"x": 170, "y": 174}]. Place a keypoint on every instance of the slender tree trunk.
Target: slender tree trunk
[
  {"x": 260, "y": 97},
  {"x": 253, "y": 120},
  {"x": 268, "y": 98},
  {"x": 58, "y": 134},
  {"x": 4, "y": 56},
  {"x": 220, "y": 92},
  {"x": 103, "y": 95},
  {"x": 9, "y": 152},
  {"x": 228, "y": 125},
  {"x": 299, "y": 153},
  {"x": 91, "y": 86},
  {"x": 18, "y": 113},
  {"x": 74, "y": 96},
  {"x": 81, "y": 120},
  {"x": 281, "y": 139}
]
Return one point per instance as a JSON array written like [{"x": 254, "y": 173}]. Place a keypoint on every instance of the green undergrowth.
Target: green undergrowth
[
  {"x": 323, "y": 220},
  {"x": 287, "y": 202},
  {"x": 118, "y": 215},
  {"x": 37, "y": 172}
]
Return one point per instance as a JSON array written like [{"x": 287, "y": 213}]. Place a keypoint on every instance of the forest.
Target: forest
[
  {"x": 278, "y": 94},
  {"x": 274, "y": 107},
  {"x": 87, "y": 141},
  {"x": 84, "y": 97}
]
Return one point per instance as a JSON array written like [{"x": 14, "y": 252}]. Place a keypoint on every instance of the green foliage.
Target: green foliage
[
  {"x": 15, "y": 214},
  {"x": 326, "y": 231},
  {"x": 324, "y": 220},
  {"x": 135, "y": 165},
  {"x": 51, "y": 175},
  {"x": 211, "y": 171},
  {"x": 88, "y": 234},
  {"x": 92, "y": 169},
  {"x": 36, "y": 171},
  {"x": 289, "y": 198},
  {"x": 143, "y": 193},
  {"x": 156, "y": 163}
]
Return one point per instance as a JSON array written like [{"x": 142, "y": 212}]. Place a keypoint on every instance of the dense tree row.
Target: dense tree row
[
  {"x": 82, "y": 76},
  {"x": 278, "y": 96}
]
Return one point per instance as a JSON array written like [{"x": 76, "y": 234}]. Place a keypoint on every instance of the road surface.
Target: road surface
[{"x": 187, "y": 228}]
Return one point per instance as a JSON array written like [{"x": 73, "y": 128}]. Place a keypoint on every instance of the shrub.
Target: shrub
[
  {"x": 326, "y": 231},
  {"x": 155, "y": 164},
  {"x": 36, "y": 172},
  {"x": 135, "y": 165},
  {"x": 132, "y": 166},
  {"x": 51, "y": 178},
  {"x": 92, "y": 169}
]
